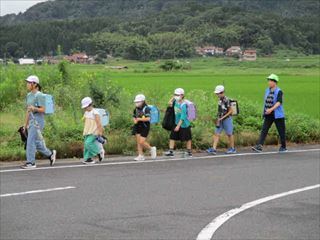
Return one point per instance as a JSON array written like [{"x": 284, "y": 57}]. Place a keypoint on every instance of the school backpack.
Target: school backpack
[
  {"x": 235, "y": 107},
  {"x": 191, "y": 110},
  {"x": 154, "y": 114},
  {"x": 104, "y": 116},
  {"x": 168, "y": 122},
  {"x": 48, "y": 102}
]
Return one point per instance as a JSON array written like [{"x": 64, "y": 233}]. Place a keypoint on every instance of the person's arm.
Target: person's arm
[
  {"x": 228, "y": 106},
  {"x": 26, "y": 122},
  {"x": 34, "y": 109},
  {"x": 146, "y": 117},
  {"x": 183, "y": 117},
  {"x": 171, "y": 101},
  {"x": 229, "y": 113},
  {"x": 98, "y": 122}
]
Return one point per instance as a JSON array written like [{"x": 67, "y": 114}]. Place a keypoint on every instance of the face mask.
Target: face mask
[{"x": 177, "y": 98}]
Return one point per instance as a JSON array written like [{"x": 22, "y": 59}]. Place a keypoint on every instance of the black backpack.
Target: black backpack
[{"x": 168, "y": 121}]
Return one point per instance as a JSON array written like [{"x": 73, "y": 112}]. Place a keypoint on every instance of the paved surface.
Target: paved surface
[{"x": 164, "y": 199}]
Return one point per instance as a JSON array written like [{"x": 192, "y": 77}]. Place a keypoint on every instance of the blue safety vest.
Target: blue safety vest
[{"x": 278, "y": 112}]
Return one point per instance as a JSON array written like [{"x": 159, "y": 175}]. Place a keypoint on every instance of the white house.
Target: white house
[{"x": 25, "y": 61}]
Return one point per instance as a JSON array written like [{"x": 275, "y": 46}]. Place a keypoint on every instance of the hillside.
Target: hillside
[
  {"x": 134, "y": 9},
  {"x": 151, "y": 29}
]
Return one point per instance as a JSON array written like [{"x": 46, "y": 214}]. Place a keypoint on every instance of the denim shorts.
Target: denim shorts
[{"x": 225, "y": 125}]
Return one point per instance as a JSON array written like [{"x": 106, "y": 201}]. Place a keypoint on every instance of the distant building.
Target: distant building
[
  {"x": 234, "y": 51},
  {"x": 219, "y": 51},
  {"x": 26, "y": 61},
  {"x": 78, "y": 58},
  {"x": 249, "y": 55}
]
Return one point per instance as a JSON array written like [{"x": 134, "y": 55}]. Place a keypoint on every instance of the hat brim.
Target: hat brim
[
  {"x": 85, "y": 106},
  {"x": 270, "y": 79},
  {"x": 218, "y": 91}
]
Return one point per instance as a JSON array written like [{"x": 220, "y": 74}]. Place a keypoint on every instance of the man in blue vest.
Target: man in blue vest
[{"x": 273, "y": 112}]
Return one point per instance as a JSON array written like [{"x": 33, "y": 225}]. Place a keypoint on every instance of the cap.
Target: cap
[
  {"x": 32, "y": 79},
  {"x": 219, "y": 89},
  {"x": 179, "y": 91},
  {"x": 273, "y": 77},
  {"x": 86, "y": 102},
  {"x": 139, "y": 98}
]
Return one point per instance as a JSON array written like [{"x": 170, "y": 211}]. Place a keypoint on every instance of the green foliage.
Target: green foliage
[{"x": 171, "y": 65}]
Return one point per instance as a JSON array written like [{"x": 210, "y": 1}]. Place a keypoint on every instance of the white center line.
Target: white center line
[
  {"x": 37, "y": 191},
  {"x": 158, "y": 160},
  {"x": 207, "y": 232}
]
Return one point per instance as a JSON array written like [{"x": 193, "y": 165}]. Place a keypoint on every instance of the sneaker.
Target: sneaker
[
  {"x": 231, "y": 151},
  {"x": 88, "y": 161},
  {"x": 53, "y": 157},
  {"x": 100, "y": 156},
  {"x": 257, "y": 148},
  {"x": 28, "y": 165},
  {"x": 153, "y": 152},
  {"x": 169, "y": 153},
  {"x": 283, "y": 150},
  {"x": 139, "y": 158},
  {"x": 211, "y": 151},
  {"x": 188, "y": 154}
]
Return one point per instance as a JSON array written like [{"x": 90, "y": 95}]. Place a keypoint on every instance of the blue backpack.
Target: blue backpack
[
  {"x": 104, "y": 116},
  {"x": 48, "y": 102},
  {"x": 154, "y": 114}
]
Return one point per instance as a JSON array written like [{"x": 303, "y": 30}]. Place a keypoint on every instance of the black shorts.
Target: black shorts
[
  {"x": 183, "y": 135},
  {"x": 143, "y": 130}
]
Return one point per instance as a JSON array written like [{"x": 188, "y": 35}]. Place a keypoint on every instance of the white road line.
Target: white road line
[
  {"x": 212, "y": 227},
  {"x": 37, "y": 191},
  {"x": 158, "y": 160}
]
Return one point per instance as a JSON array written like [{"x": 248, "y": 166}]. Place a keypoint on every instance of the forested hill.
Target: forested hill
[
  {"x": 133, "y": 9},
  {"x": 150, "y": 29}
]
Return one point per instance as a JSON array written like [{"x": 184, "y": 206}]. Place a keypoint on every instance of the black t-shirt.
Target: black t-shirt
[{"x": 144, "y": 111}]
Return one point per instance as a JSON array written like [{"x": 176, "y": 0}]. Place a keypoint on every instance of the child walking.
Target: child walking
[
  {"x": 182, "y": 131},
  {"x": 224, "y": 122},
  {"x": 273, "y": 112},
  {"x": 34, "y": 122},
  {"x": 141, "y": 128},
  {"x": 92, "y": 129}
]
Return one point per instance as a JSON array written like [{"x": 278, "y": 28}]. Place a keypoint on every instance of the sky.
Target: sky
[{"x": 16, "y": 6}]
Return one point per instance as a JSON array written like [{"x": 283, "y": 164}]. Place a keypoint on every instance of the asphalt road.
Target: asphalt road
[{"x": 164, "y": 199}]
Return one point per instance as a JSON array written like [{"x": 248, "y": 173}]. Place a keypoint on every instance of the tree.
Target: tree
[{"x": 265, "y": 45}]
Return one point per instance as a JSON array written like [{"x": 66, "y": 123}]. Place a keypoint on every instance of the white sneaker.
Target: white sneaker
[
  {"x": 139, "y": 158},
  {"x": 153, "y": 152}
]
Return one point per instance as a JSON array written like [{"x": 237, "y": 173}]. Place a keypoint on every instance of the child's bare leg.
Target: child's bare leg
[
  {"x": 189, "y": 145},
  {"x": 171, "y": 144},
  {"x": 231, "y": 141},
  {"x": 143, "y": 143},
  {"x": 139, "y": 147},
  {"x": 216, "y": 138}
]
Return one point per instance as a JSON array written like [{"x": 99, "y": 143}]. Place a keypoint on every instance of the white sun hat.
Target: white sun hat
[
  {"x": 179, "y": 91},
  {"x": 86, "y": 102},
  {"x": 32, "y": 79},
  {"x": 219, "y": 89},
  {"x": 139, "y": 98}
]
